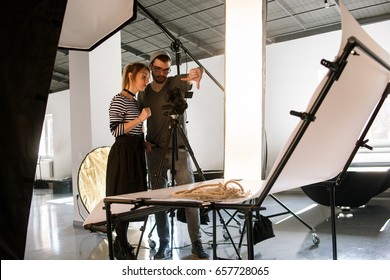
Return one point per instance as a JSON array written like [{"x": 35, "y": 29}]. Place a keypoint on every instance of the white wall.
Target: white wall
[
  {"x": 292, "y": 76},
  {"x": 58, "y": 105},
  {"x": 205, "y": 115},
  {"x": 293, "y": 72},
  {"x": 105, "y": 65}
]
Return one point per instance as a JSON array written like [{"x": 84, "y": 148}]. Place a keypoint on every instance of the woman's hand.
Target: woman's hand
[
  {"x": 146, "y": 113},
  {"x": 148, "y": 146}
]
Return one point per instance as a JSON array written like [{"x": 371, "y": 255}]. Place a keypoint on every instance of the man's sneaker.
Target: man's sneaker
[
  {"x": 197, "y": 249},
  {"x": 162, "y": 252}
]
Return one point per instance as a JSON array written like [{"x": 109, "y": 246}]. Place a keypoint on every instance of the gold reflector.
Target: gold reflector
[{"x": 91, "y": 181}]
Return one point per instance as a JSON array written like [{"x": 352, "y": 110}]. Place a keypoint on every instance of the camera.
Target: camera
[{"x": 177, "y": 98}]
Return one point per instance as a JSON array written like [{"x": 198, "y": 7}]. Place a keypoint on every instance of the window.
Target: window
[
  {"x": 46, "y": 143},
  {"x": 379, "y": 133},
  {"x": 379, "y": 139}
]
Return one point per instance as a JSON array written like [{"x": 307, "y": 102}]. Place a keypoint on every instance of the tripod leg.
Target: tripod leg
[
  {"x": 158, "y": 174},
  {"x": 174, "y": 156},
  {"x": 191, "y": 152}
]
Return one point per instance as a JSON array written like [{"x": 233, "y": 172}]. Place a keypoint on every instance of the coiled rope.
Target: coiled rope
[{"x": 229, "y": 190}]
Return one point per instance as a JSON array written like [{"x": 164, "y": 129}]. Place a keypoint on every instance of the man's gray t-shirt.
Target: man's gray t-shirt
[{"x": 158, "y": 123}]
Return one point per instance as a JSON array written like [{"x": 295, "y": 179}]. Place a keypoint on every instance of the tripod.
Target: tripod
[{"x": 175, "y": 129}]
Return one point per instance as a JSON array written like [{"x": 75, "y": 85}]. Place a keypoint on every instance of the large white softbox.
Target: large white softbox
[{"x": 88, "y": 23}]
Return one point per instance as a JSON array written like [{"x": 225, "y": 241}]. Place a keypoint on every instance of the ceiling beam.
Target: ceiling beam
[
  {"x": 135, "y": 51},
  {"x": 177, "y": 32},
  {"x": 323, "y": 29},
  {"x": 59, "y": 77}
]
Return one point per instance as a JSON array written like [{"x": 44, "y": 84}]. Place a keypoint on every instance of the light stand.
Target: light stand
[
  {"x": 175, "y": 46},
  {"x": 178, "y": 43}
]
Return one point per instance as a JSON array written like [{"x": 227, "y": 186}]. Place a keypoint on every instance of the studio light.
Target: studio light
[{"x": 89, "y": 23}]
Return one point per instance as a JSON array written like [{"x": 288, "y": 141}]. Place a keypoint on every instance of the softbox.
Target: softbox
[{"x": 88, "y": 23}]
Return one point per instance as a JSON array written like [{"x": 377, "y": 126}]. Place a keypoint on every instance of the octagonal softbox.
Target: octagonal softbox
[{"x": 88, "y": 23}]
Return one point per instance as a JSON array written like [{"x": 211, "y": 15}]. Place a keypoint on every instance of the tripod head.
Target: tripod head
[{"x": 177, "y": 98}]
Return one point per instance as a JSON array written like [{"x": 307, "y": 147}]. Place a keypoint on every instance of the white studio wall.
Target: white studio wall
[
  {"x": 293, "y": 73},
  {"x": 205, "y": 115}
]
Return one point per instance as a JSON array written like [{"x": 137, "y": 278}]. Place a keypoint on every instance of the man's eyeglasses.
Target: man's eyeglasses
[{"x": 159, "y": 69}]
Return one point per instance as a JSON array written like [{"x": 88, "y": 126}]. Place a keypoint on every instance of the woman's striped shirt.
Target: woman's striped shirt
[{"x": 122, "y": 110}]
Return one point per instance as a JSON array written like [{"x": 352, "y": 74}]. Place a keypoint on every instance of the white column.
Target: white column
[
  {"x": 94, "y": 79},
  {"x": 244, "y": 89}
]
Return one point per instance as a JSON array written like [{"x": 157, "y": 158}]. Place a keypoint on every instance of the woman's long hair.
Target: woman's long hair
[{"x": 133, "y": 68}]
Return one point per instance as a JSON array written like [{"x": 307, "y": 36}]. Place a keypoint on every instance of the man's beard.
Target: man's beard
[{"x": 160, "y": 79}]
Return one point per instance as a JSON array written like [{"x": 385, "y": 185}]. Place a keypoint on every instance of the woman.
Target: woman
[{"x": 126, "y": 166}]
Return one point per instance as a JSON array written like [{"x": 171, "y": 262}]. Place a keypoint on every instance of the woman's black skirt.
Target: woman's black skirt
[{"x": 126, "y": 166}]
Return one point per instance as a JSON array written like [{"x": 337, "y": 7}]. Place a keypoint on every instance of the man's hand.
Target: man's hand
[{"x": 195, "y": 75}]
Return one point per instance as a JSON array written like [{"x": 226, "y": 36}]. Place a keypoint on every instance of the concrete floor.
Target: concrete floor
[{"x": 362, "y": 234}]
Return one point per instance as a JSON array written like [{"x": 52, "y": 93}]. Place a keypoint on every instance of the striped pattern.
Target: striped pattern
[{"x": 123, "y": 110}]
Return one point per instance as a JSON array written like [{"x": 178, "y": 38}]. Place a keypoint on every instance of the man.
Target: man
[{"x": 158, "y": 97}]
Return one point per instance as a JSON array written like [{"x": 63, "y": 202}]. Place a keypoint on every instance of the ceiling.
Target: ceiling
[{"x": 199, "y": 28}]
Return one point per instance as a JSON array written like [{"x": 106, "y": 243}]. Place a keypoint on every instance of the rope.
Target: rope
[{"x": 229, "y": 190}]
